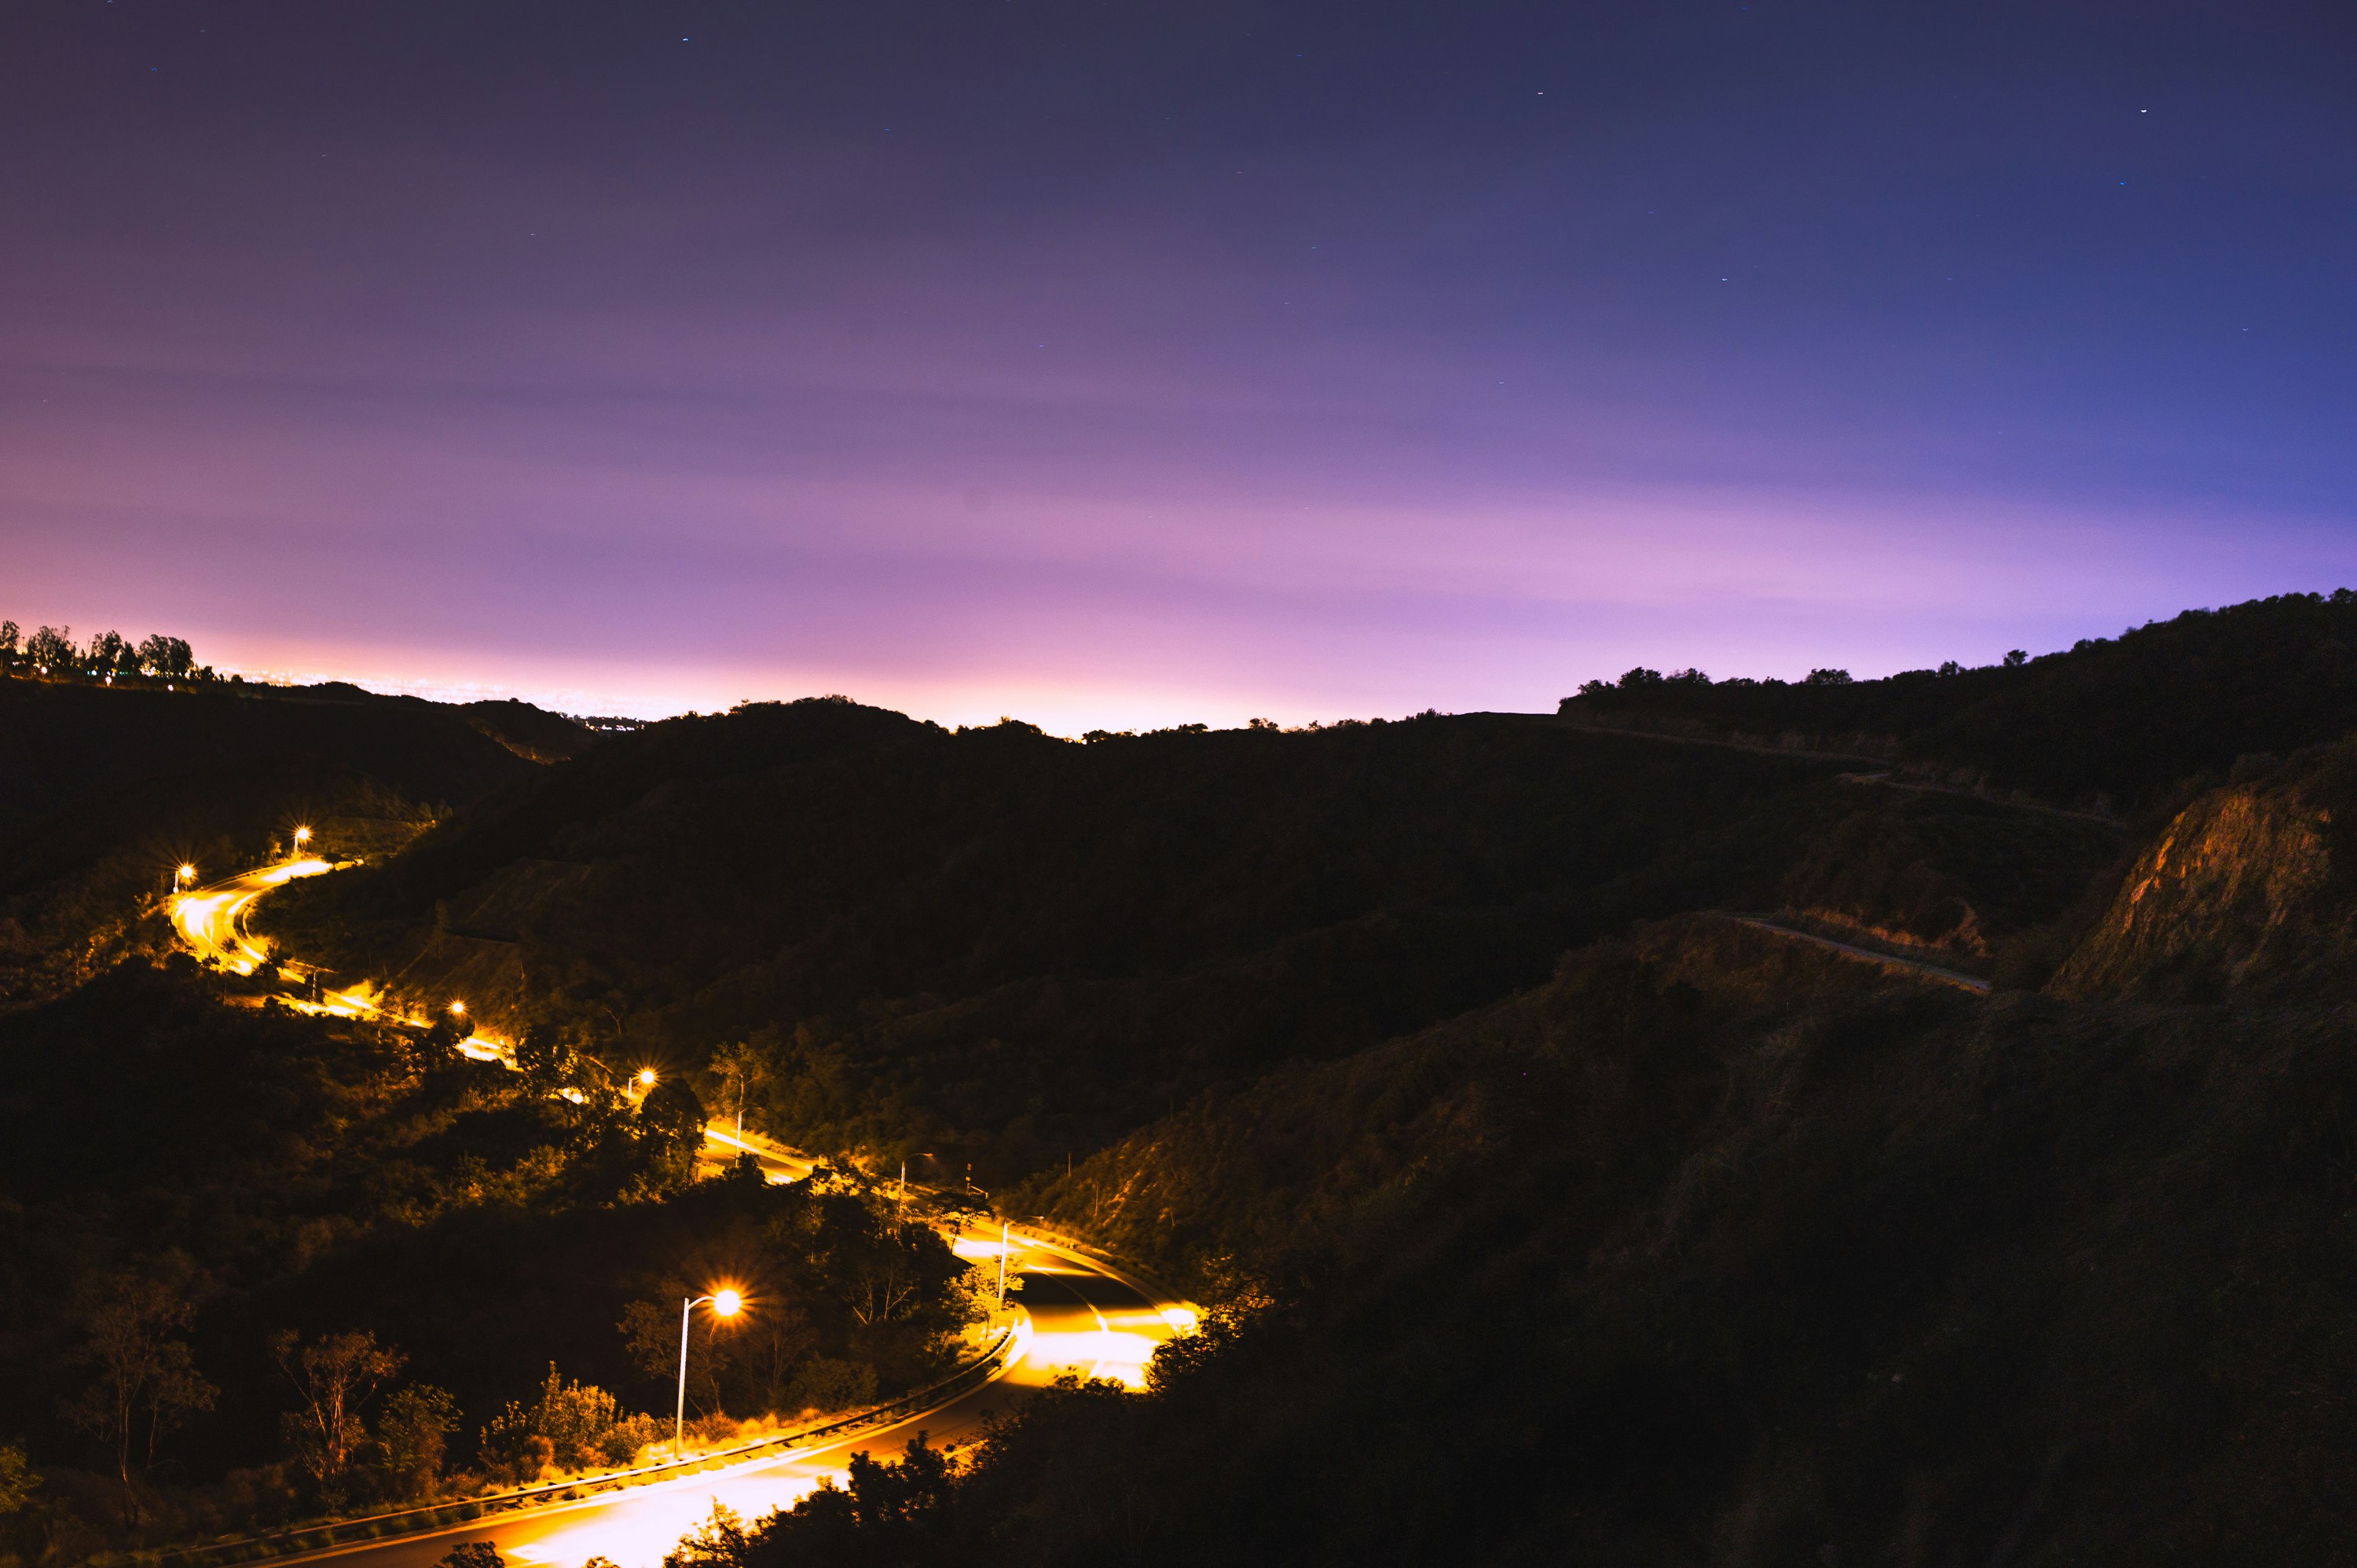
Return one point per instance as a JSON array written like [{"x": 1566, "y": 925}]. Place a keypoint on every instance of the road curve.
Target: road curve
[
  {"x": 1081, "y": 1319},
  {"x": 211, "y": 919}
]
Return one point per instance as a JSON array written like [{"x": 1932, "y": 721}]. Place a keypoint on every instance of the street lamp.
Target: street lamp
[
  {"x": 302, "y": 837},
  {"x": 724, "y": 1304},
  {"x": 646, "y": 1078},
  {"x": 182, "y": 878},
  {"x": 457, "y": 1009}
]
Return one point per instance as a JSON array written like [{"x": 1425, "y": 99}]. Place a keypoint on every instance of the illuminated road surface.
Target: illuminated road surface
[
  {"x": 212, "y": 920},
  {"x": 1082, "y": 1320}
]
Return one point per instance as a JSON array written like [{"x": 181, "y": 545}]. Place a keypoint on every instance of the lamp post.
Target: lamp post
[
  {"x": 723, "y": 1304},
  {"x": 302, "y": 837}
]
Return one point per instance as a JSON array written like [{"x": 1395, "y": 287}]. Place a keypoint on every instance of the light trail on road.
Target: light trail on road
[{"x": 212, "y": 920}]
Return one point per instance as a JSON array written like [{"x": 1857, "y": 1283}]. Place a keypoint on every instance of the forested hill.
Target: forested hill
[{"x": 2121, "y": 724}]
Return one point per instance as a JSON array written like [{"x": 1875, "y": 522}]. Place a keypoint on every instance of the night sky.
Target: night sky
[{"x": 1128, "y": 364}]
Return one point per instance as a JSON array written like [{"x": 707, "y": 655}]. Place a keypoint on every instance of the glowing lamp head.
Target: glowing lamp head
[
  {"x": 459, "y": 1009},
  {"x": 188, "y": 874},
  {"x": 646, "y": 1078},
  {"x": 302, "y": 835},
  {"x": 726, "y": 1302}
]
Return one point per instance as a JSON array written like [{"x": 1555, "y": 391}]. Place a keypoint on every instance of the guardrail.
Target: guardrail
[{"x": 429, "y": 1518}]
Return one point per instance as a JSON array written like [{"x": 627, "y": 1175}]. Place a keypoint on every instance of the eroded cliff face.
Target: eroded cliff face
[{"x": 2239, "y": 894}]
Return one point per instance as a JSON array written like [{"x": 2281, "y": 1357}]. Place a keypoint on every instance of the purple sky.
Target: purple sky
[{"x": 1129, "y": 365}]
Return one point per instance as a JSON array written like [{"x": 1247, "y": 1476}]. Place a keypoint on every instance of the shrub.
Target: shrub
[
  {"x": 622, "y": 1440},
  {"x": 826, "y": 1385},
  {"x": 571, "y": 1424}
]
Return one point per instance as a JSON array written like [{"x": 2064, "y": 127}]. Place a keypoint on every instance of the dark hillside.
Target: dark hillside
[
  {"x": 531, "y": 732},
  {"x": 1259, "y": 1172},
  {"x": 1718, "y": 1250},
  {"x": 1019, "y": 946},
  {"x": 2118, "y": 724},
  {"x": 1000, "y": 947},
  {"x": 77, "y": 735},
  {"x": 1927, "y": 868}
]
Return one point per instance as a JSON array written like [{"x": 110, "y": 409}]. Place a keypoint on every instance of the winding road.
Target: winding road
[
  {"x": 211, "y": 919},
  {"x": 1080, "y": 1315}
]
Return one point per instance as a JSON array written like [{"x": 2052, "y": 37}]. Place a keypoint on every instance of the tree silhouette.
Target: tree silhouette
[
  {"x": 414, "y": 1432},
  {"x": 51, "y": 649},
  {"x": 147, "y": 1381},
  {"x": 334, "y": 1377},
  {"x": 738, "y": 1067}
]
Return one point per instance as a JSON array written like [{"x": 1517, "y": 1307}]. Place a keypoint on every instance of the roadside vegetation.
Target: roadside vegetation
[{"x": 258, "y": 1267}]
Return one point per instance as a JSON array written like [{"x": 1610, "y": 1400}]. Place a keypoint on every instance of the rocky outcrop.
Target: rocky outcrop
[{"x": 2240, "y": 894}]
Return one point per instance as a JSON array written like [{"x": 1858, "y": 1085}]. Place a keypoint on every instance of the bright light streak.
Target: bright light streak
[
  {"x": 769, "y": 1158},
  {"x": 1102, "y": 1353},
  {"x": 972, "y": 1247}
]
